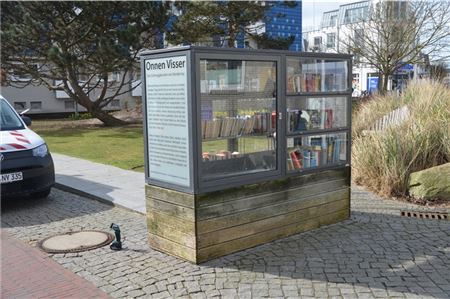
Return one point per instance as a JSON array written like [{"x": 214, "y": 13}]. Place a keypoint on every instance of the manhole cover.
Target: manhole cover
[{"x": 76, "y": 241}]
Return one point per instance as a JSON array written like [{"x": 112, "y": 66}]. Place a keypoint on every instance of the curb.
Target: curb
[{"x": 92, "y": 196}]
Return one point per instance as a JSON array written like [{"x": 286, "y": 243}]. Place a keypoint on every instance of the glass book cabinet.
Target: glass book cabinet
[{"x": 243, "y": 147}]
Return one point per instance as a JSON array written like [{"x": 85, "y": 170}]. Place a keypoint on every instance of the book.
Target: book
[
  {"x": 203, "y": 128},
  {"x": 315, "y": 119},
  {"x": 226, "y": 154},
  {"x": 330, "y": 149},
  {"x": 249, "y": 124},
  {"x": 296, "y": 158},
  {"x": 306, "y": 158},
  {"x": 290, "y": 164},
  {"x": 328, "y": 124},
  {"x": 235, "y": 155}
]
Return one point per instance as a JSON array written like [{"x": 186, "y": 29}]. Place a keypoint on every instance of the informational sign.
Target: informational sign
[
  {"x": 372, "y": 84},
  {"x": 167, "y": 120}
]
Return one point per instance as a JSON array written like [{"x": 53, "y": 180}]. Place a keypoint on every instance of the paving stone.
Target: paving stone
[
  {"x": 150, "y": 289},
  {"x": 161, "y": 295},
  {"x": 135, "y": 293},
  {"x": 375, "y": 254}
]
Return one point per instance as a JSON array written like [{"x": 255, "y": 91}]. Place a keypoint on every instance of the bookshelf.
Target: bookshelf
[
  {"x": 308, "y": 75},
  {"x": 316, "y": 151},
  {"x": 307, "y": 113},
  {"x": 238, "y": 104},
  {"x": 237, "y": 138},
  {"x": 229, "y": 117}
]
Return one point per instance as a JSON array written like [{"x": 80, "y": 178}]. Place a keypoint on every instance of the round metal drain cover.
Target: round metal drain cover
[{"x": 76, "y": 241}]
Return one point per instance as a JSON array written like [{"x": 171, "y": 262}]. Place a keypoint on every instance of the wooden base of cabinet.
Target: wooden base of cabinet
[{"x": 202, "y": 227}]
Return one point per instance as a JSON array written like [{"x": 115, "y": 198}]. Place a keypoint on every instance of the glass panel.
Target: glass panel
[
  {"x": 238, "y": 117},
  {"x": 314, "y": 75},
  {"x": 316, "y": 151},
  {"x": 313, "y": 113}
]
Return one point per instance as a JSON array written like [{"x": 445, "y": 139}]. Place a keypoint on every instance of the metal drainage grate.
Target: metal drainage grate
[
  {"x": 76, "y": 241},
  {"x": 425, "y": 215}
]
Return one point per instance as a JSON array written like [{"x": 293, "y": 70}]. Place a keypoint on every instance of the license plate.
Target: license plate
[{"x": 11, "y": 177}]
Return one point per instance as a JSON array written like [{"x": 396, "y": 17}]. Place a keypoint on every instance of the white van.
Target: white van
[{"x": 26, "y": 164}]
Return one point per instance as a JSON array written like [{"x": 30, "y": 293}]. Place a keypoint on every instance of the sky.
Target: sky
[{"x": 312, "y": 10}]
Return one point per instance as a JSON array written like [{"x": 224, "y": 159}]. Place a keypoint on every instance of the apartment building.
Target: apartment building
[{"x": 331, "y": 37}]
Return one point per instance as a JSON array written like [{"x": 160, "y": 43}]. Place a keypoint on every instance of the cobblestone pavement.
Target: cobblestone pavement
[{"x": 376, "y": 253}]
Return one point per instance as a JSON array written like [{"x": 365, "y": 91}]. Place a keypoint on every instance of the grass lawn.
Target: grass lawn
[{"x": 120, "y": 146}]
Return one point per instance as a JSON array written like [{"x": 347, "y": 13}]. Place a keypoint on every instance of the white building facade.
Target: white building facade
[{"x": 331, "y": 37}]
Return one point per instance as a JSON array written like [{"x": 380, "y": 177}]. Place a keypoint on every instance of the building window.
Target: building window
[
  {"x": 114, "y": 77},
  {"x": 115, "y": 104},
  {"x": 69, "y": 105},
  {"x": 359, "y": 38},
  {"x": 331, "y": 40},
  {"x": 354, "y": 15},
  {"x": 333, "y": 21},
  {"x": 21, "y": 76},
  {"x": 36, "y": 105},
  {"x": 317, "y": 41},
  {"x": 20, "y": 105}
]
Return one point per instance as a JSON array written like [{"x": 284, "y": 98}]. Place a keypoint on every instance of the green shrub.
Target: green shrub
[
  {"x": 79, "y": 116},
  {"x": 383, "y": 160}
]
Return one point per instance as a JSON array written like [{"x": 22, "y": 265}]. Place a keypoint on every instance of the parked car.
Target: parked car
[{"x": 26, "y": 164}]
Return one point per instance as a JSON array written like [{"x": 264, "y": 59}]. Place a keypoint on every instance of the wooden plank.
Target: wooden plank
[
  {"x": 183, "y": 225},
  {"x": 171, "y": 196},
  {"x": 171, "y": 209},
  {"x": 170, "y": 232},
  {"x": 172, "y": 248},
  {"x": 247, "y": 216},
  {"x": 231, "y": 194},
  {"x": 255, "y": 202},
  {"x": 283, "y": 220},
  {"x": 211, "y": 252}
]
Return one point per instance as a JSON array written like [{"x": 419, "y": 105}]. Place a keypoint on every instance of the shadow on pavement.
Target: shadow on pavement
[
  {"x": 376, "y": 251},
  {"x": 59, "y": 205}
]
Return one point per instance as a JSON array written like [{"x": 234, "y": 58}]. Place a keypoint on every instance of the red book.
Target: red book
[{"x": 296, "y": 159}]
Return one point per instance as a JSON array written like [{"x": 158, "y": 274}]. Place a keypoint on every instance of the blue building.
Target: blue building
[{"x": 284, "y": 21}]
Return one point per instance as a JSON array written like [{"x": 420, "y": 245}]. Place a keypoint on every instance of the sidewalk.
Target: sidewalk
[
  {"x": 102, "y": 182},
  {"x": 28, "y": 273}
]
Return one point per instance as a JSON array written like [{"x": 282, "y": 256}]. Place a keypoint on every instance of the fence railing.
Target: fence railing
[{"x": 395, "y": 117}]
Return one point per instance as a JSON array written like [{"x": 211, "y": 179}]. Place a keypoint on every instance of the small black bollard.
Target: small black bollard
[{"x": 116, "y": 244}]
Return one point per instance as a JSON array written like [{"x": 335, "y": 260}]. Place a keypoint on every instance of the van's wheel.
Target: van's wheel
[{"x": 41, "y": 194}]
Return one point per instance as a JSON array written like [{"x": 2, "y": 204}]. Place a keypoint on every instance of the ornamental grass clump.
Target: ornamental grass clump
[{"x": 383, "y": 160}]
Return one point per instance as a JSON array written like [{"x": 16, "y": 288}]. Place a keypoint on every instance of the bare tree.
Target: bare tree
[
  {"x": 396, "y": 33},
  {"x": 437, "y": 71}
]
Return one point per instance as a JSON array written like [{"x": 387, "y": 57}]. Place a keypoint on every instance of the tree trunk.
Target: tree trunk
[
  {"x": 83, "y": 99},
  {"x": 232, "y": 35},
  {"x": 382, "y": 82},
  {"x": 106, "y": 118}
]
